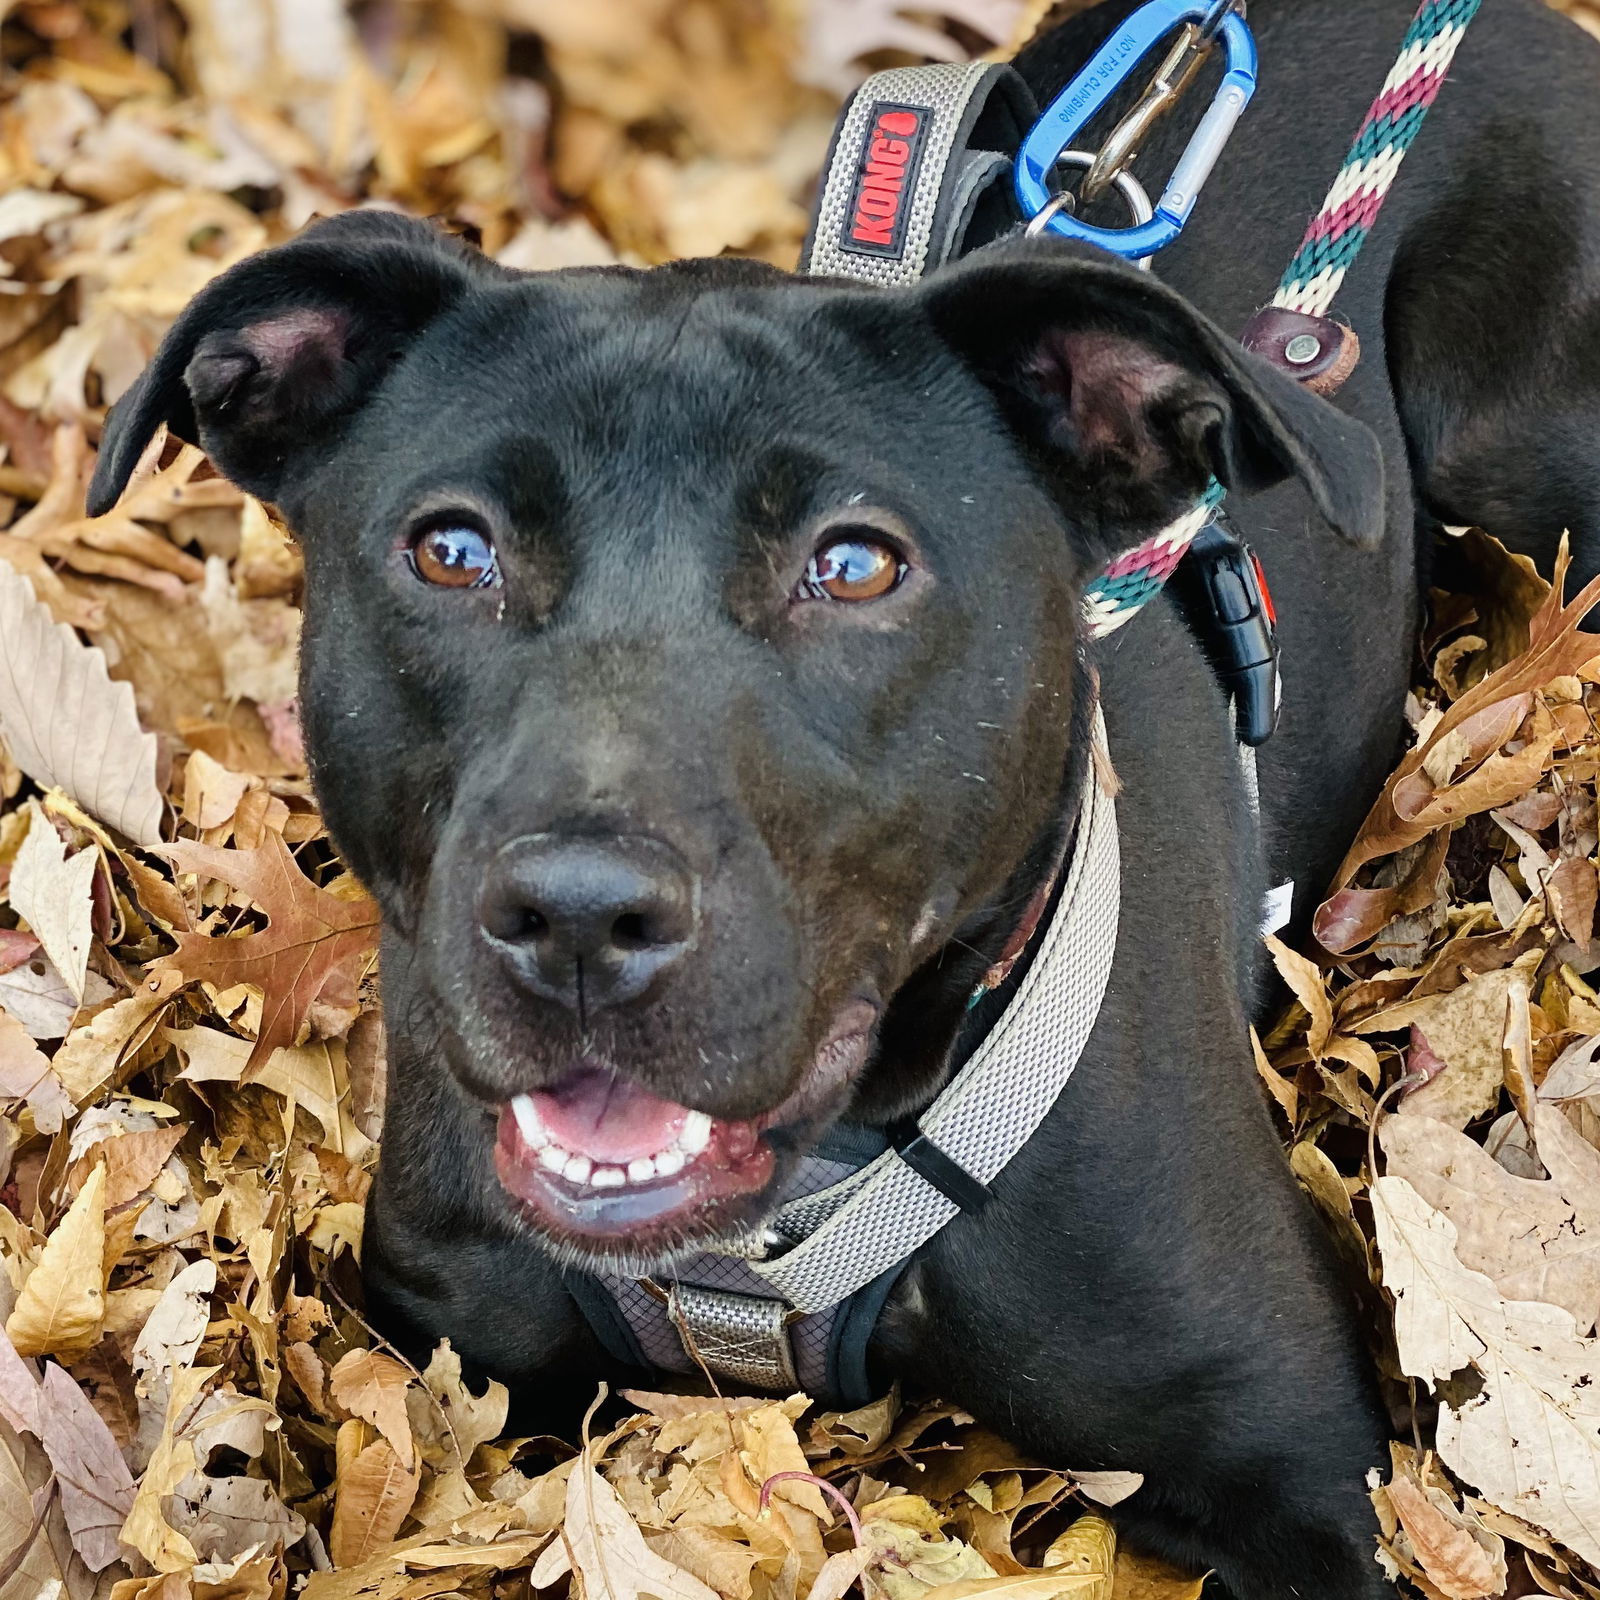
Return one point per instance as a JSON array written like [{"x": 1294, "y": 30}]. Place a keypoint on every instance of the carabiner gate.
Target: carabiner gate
[{"x": 1070, "y": 112}]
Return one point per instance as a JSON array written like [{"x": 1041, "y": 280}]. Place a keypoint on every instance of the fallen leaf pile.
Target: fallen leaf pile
[
  {"x": 1439, "y": 1076},
  {"x": 191, "y": 1060}
]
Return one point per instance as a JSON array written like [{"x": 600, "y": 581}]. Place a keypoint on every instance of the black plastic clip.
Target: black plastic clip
[
  {"x": 929, "y": 1162},
  {"x": 1223, "y": 592}
]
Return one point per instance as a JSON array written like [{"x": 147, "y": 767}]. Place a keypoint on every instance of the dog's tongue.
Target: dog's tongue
[{"x": 607, "y": 1118}]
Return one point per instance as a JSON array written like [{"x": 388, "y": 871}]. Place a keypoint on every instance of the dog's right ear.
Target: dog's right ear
[{"x": 276, "y": 349}]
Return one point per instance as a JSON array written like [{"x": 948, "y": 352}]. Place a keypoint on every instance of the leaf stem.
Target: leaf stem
[{"x": 838, "y": 1494}]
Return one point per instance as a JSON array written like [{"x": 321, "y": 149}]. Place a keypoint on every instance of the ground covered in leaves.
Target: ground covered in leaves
[{"x": 191, "y": 1061}]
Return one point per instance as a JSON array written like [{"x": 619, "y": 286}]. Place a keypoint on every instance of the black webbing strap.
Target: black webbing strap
[{"x": 919, "y": 172}]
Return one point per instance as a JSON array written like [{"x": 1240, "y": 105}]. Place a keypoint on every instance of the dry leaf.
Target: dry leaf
[
  {"x": 372, "y": 1386},
  {"x": 95, "y": 1049},
  {"x": 842, "y": 32},
  {"x": 1108, "y": 1488},
  {"x": 67, "y": 724},
  {"x": 96, "y": 1486},
  {"x": 45, "y": 1565},
  {"x": 133, "y": 1161},
  {"x": 26, "y": 1074},
  {"x": 609, "y": 1552},
  {"x": 1538, "y": 1240},
  {"x": 1529, "y": 1439},
  {"x": 1304, "y": 979},
  {"x": 1088, "y": 1547},
  {"x": 1145, "y": 1578},
  {"x": 211, "y": 793},
  {"x": 147, "y": 1529},
  {"x": 20, "y": 1400},
  {"x": 315, "y": 947},
  {"x": 177, "y": 1322},
  {"x": 1465, "y": 1030},
  {"x": 374, "y": 1494},
  {"x": 50, "y": 891},
  {"x": 233, "y": 1517},
  {"x": 1024, "y": 1586},
  {"x": 467, "y": 1420},
  {"x": 1456, "y": 1564},
  {"x": 63, "y": 1303},
  {"x": 168, "y": 1343}
]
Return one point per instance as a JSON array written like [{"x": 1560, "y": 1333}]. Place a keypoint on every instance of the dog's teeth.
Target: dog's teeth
[
  {"x": 640, "y": 1170},
  {"x": 528, "y": 1123},
  {"x": 608, "y": 1178},
  {"x": 553, "y": 1157},
  {"x": 577, "y": 1169},
  {"x": 670, "y": 1162},
  {"x": 696, "y": 1133}
]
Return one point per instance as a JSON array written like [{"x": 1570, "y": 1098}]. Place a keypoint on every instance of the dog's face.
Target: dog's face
[
  {"x": 679, "y": 688},
  {"x": 690, "y": 658}
]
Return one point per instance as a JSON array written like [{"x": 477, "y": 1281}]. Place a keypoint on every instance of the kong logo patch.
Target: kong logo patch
[{"x": 875, "y": 224}]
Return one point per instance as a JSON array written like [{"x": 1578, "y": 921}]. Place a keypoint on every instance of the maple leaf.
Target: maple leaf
[{"x": 315, "y": 946}]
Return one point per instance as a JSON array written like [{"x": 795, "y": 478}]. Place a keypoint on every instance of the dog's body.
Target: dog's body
[{"x": 857, "y": 802}]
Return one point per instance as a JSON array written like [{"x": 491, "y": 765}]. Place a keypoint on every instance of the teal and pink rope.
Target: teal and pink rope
[
  {"x": 1340, "y": 228},
  {"x": 1137, "y": 575}
]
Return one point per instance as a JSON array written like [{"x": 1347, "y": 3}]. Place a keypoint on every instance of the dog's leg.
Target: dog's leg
[{"x": 1493, "y": 329}]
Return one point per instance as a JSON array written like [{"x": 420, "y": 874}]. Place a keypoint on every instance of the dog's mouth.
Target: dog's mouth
[{"x": 599, "y": 1162}]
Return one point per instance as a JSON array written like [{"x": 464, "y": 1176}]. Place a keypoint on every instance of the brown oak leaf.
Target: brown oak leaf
[{"x": 315, "y": 947}]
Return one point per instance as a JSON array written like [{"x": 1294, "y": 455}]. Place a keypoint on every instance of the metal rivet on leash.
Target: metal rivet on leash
[{"x": 1302, "y": 348}]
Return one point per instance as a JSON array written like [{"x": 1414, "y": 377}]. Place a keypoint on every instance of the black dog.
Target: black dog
[{"x": 691, "y": 672}]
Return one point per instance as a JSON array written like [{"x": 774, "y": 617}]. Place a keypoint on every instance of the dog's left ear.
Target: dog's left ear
[{"x": 1129, "y": 401}]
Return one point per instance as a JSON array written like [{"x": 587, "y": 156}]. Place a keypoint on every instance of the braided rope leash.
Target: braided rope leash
[
  {"x": 1341, "y": 226},
  {"x": 1137, "y": 575}
]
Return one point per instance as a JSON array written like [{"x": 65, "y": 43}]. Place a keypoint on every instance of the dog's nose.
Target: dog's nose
[{"x": 588, "y": 922}]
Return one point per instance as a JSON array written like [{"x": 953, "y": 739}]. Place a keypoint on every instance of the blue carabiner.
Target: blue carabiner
[{"x": 1077, "y": 104}]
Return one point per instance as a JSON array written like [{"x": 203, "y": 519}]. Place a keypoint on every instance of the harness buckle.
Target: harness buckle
[
  {"x": 1071, "y": 111},
  {"x": 1223, "y": 590}
]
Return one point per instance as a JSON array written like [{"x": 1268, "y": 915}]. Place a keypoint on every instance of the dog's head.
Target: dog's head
[{"x": 690, "y": 654}]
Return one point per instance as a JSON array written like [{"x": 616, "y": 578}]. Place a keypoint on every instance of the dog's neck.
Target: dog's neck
[{"x": 948, "y": 1006}]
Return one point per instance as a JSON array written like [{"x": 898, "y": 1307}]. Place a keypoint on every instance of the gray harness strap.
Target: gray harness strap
[
  {"x": 916, "y": 174},
  {"x": 994, "y": 1104},
  {"x": 766, "y": 1312}
]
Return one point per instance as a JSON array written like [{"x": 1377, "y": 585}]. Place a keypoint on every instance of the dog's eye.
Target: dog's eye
[
  {"x": 859, "y": 565},
  {"x": 454, "y": 556}
]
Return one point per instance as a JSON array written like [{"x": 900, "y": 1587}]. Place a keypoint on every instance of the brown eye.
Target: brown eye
[
  {"x": 859, "y": 566},
  {"x": 453, "y": 556}
]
